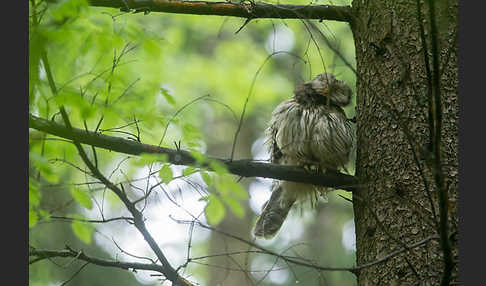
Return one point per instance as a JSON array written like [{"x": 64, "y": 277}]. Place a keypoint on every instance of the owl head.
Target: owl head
[{"x": 324, "y": 89}]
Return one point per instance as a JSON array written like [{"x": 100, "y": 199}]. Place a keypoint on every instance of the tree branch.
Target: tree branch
[
  {"x": 92, "y": 220},
  {"x": 355, "y": 270},
  {"x": 250, "y": 10},
  {"x": 244, "y": 168},
  {"x": 44, "y": 254},
  {"x": 166, "y": 269}
]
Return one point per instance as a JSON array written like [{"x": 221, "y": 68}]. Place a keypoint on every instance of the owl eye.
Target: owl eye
[{"x": 325, "y": 91}]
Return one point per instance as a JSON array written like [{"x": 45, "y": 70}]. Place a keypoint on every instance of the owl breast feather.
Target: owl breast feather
[{"x": 318, "y": 135}]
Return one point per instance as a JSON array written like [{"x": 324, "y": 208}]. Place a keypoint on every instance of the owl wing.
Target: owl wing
[
  {"x": 333, "y": 136},
  {"x": 276, "y": 154}
]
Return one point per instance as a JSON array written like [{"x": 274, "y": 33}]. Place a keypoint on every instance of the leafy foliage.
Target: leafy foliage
[
  {"x": 215, "y": 210},
  {"x": 82, "y": 198},
  {"x": 83, "y": 231},
  {"x": 166, "y": 173}
]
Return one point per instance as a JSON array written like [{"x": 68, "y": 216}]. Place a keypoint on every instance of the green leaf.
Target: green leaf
[
  {"x": 200, "y": 158},
  {"x": 32, "y": 218},
  {"x": 215, "y": 210},
  {"x": 45, "y": 169},
  {"x": 207, "y": 178},
  {"x": 83, "y": 231},
  {"x": 167, "y": 96},
  {"x": 82, "y": 198},
  {"x": 88, "y": 111},
  {"x": 218, "y": 167},
  {"x": 205, "y": 198},
  {"x": 188, "y": 171},
  {"x": 190, "y": 130},
  {"x": 237, "y": 190},
  {"x": 235, "y": 206},
  {"x": 165, "y": 174},
  {"x": 152, "y": 49},
  {"x": 34, "y": 194},
  {"x": 67, "y": 9},
  {"x": 226, "y": 185},
  {"x": 149, "y": 158},
  {"x": 44, "y": 215}
]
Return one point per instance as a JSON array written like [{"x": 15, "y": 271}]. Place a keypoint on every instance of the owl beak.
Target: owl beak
[{"x": 325, "y": 91}]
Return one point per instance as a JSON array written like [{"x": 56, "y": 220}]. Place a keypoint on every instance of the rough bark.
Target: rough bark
[{"x": 393, "y": 139}]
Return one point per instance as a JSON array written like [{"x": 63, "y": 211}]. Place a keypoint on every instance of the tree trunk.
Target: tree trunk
[{"x": 392, "y": 208}]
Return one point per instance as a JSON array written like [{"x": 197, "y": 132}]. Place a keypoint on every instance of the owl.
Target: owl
[{"x": 309, "y": 130}]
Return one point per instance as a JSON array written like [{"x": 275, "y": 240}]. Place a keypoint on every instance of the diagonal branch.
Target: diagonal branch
[
  {"x": 250, "y": 10},
  {"x": 138, "y": 220},
  {"x": 244, "y": 168}
]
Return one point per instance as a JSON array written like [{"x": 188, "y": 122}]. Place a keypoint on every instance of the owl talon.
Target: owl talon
[{"x": 312, "y": 168}]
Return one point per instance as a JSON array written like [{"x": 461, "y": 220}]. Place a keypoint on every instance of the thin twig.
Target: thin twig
[
  {"x": 132, "y": 255},
  {"x": 177, "y": 113},
  {"x": 75, "y": 274},
  {"x": 293, "y": 260},
  {"x": 252, "y": 85},
  {"x": 41, "y": 254},
  {"x": 92, "y": 220}
]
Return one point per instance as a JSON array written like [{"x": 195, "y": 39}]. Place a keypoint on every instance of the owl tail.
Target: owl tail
[{"x": 273, "y": 214}]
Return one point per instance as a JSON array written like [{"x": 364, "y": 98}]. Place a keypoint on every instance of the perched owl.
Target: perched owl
[{"x": 309, "y": 130}]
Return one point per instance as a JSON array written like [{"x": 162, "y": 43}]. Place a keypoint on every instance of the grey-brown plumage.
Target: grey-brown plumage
[{"x": 310, "y": 129}]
